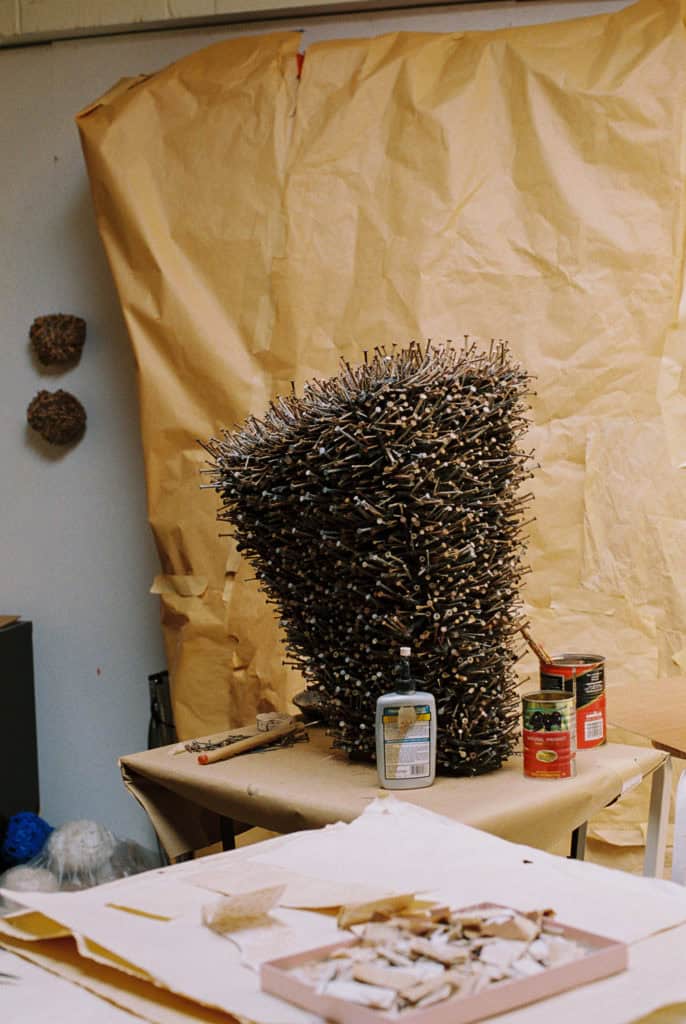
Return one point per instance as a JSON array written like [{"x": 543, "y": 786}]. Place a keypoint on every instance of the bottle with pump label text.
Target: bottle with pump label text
[{"x": 406, "y": 733}]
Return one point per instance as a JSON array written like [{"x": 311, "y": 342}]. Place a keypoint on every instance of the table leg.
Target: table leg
[
  {"x": 578, "y": 844},
  {"x": 227, "y": 833},
  {"x": 658, "y": 818},
  {"x": 679, "y": 848}
]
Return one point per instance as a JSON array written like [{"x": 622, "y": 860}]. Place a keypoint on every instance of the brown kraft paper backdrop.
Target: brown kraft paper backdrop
[{"x": 524, "y": 183}]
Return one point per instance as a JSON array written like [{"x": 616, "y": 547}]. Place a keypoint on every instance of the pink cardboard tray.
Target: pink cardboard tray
[{"x": 605, "y": 957}]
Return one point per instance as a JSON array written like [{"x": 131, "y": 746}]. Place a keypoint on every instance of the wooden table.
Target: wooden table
[
  {"x": 309, "y": 786},
  {"x": 656, "y": 709}
]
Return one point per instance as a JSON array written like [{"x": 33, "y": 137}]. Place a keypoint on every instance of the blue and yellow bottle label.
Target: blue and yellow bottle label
[{"x": 406, "y": 741}]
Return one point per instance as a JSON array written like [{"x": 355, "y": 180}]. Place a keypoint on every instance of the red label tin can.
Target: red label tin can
[
  {"x": 549, "y": 735},
  {"x": 584, "y": 676}
]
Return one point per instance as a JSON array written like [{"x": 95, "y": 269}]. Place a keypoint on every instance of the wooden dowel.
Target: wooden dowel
[
  {"x": 538, "y": 650},
  {"x": 260, "y": 739}
]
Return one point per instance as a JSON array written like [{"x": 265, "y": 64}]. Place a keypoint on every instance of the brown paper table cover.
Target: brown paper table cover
[{"x": 310, "y": 785}]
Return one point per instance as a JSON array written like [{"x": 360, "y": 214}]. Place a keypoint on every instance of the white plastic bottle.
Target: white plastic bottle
[{"x": 406, "y": 733}]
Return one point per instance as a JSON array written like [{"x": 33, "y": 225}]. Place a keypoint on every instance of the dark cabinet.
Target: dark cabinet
[{"x": 18, "y": 748}]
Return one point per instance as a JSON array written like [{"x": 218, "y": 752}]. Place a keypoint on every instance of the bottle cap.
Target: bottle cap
[{"x": 405, "y": 652}]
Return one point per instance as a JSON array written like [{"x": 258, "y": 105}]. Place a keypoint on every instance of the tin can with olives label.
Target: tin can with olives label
[
  {"x": 549, "y": 735},
  {"x": 584, "y": 676}
]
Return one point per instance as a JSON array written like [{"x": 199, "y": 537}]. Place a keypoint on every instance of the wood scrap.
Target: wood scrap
[
  {"x": 359, "y": 913},
  {"x": 413, "y": 959}
]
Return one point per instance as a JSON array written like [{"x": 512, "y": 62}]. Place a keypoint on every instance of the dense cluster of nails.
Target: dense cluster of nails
[{"x": 385, "y": 507}]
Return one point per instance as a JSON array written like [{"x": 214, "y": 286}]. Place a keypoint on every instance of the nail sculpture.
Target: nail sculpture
[{"x": 387, "y": 505}]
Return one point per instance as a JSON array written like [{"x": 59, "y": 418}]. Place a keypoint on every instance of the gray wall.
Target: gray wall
[{"x": 76, "y": 554}]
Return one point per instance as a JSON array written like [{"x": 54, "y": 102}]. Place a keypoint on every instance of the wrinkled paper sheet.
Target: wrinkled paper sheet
[
  {"x": 392, "y": 845},
  {"x": 524, "y": 183},
  {"x": 37, "y": 996}
]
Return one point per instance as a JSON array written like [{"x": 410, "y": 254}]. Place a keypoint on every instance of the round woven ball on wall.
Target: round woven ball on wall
[
  {"x": 383, "y": 507},
  {"x": 57, "y": 416},
  {"x": 58, "y": 338}
]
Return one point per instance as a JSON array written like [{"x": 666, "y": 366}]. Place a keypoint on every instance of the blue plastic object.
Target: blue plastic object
[{"x": 24, "y": 839}]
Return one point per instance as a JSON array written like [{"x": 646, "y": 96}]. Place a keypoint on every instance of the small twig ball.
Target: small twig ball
[
  {"x": 58, "y": 338},
  {"x": 57, "y": 416}
]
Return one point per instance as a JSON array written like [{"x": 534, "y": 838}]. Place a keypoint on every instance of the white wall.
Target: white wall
[
  {"x": 76, "y": 555},
  {"x": 26, "y": 20}
]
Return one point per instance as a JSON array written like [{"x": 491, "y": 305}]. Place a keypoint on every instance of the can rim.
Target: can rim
[
  {"x": 570, "y": 659},
  {"x": 548, "y": 696}
]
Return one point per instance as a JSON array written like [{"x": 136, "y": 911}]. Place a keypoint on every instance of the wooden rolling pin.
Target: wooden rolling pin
[{"x": 260, "y": 739}]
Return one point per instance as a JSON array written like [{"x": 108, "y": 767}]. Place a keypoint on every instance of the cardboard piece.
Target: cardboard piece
[{"x": 242, "y": 910}]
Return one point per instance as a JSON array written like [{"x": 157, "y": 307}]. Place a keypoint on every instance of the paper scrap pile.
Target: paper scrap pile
[{"x": 420, "y": 957}]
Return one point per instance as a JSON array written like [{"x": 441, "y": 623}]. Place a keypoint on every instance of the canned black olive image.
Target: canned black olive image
[{"x": 549, "y": 734}]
